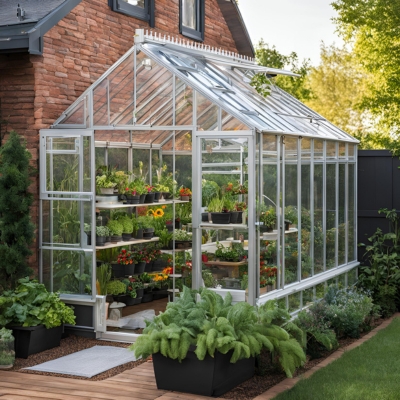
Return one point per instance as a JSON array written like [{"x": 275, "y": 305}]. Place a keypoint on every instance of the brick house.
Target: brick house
[{"x": 51, "y": 51}]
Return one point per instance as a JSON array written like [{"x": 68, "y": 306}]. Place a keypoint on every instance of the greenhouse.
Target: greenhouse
[{"x": 271, "y": 185}]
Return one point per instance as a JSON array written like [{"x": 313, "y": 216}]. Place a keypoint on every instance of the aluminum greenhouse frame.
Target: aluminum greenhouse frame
[{"x": 175, "y": 99}]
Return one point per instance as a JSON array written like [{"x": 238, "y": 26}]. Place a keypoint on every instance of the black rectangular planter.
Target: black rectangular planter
[
  {"x": 210, "y": 377},
  {"x": 35, "y": 339}
]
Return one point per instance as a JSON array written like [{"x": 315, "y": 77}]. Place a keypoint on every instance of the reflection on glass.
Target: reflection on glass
[
  {"x": 318, "y": 219},
  {"x": 294, "y": 302},
  {"x": 320, "y": 291},
  {"x": 331, "y": 255},
  {"x": 342, "y": 216},
  {"x": 308, "y": 296},
  {"x": 118, "y": 158},
  {"x": 306, "y": 256},
  {"x": 318, "y": 149},
  {"x": 138, "y": 3},
  {"x": 189, "y": 13},
  {"x": 207, "y": 114},
  {"x": 351, "y": 256},
  {"x": 183, "y": 103},
  {"x": 352, "y": 277},
  {"x": 71, "y": 271},
  {"x": 342, "y": 281},
  {"x": 330, "y": 149}
]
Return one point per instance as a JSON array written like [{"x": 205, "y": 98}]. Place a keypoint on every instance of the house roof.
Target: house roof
[
  {"x": 26, "y": 33},
  {"x": 138, "y": 93}
]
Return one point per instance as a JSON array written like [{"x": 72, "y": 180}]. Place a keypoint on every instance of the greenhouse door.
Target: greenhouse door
[
  {"x": 67, "y": 193},
  {"x": 223, "y": 161}
]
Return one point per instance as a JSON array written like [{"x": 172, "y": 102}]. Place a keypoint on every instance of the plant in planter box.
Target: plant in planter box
[
  {"x": 185, "y": 192},
  {"x": 105, "y": 182},
  {"x": 35, "y": 315},
  {"x": 219, "y": 338},
  {"x": 116, "y": 287},
  {"x": 232, "y": 254},
  {"x": 7, "y": 353}
]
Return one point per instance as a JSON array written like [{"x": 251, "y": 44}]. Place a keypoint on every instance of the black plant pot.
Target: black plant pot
[
  {"x": 148, "y": 233},
  {"x": 130, "y": 301},
  {"x": 139, "y": 234},
  {"x": 35, "y": 339},
  {"x": 287, "y": 224},
  {"x": 234, "y": 217},
  {"x": 148, "y": 267},
  {"x": 126, "y": 237},
  {"x": 160, "y": 294},
  {"x": 157, "y": 196},
  {"x": 204, "y": 217},
  {"x": 134, "y": 199},
  {"x": 149, "y": 198},
  {"x": 142, "y": 198},
  {"x": 122, "y": 298},
  {"x": 213, "y": 376},
  {"x": 139, "y": 267},
  {"x": 220, "y": 218},
  {"x": 130, "y": 269},
  {"x": 139, "y": 293},
  {"x": 167, "y": 195},
  {"x": 118, "y": 270},
  {"x": 116, "y": 239},
  {"x": 100, "y": 240},
  {"x": 89, "y": 238},
  {"x": 159, "y": 265},
  {"x": 240, "y": 217},
  {"x": 147, "y": 297}
]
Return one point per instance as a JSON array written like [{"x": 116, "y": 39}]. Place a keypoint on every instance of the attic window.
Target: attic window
[
  {"x": 191, "y": 18},
  {"x": 140, "y": 9}
]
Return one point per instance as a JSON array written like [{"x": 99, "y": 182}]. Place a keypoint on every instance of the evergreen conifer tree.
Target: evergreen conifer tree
[{"x": 16, "y": 228}]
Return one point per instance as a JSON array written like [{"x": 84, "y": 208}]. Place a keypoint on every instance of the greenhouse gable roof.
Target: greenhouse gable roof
[{"x": 221, "y": 77}]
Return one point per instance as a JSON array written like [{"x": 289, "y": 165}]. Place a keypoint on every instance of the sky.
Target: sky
[{"x": 291, "y": 25}]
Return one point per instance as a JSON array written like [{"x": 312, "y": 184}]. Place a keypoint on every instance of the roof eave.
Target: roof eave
[{"x": 237, "y": 27}]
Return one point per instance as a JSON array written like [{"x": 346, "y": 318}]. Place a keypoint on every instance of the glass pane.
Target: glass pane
[
  {"x": 320, "y": 291},
  {"x": 291, "y": 217},
  {"x": 350, "y": 150},
  {"x": 294, "y": 302},
  {"x": 330, "y": 216},
  {"x": 183, "y": 103},
  {"x": 318, "y": 149},
  {"x": 87, "y": 162},
  {"x": 342, "y": 216},
  {"x": 342, "y": 150},
  {"x": 207, "y": 114},
  {"x": 352, "y": 277},
  {"x": 305, "y": 149},
  {"x": 118, "y": 158},
  {"x": 351, "y": 237},
  {"x": 100, "y": 104},
  {"x": 331, "y": 149},
  {"x": 62, "y": 222},
  {"x": 342, "y": 281},
  {"x": 189, "y": 13},
  {"x": 77, "y": 115},
  {"x": 306, "y": 256},
  {"x": 230, "y": 123},
  {"x": 308, "y": 296},
  {"x": 318, "y": 241},
  {"x": 68, "y": 272},
  {"x": 138, "y": 3}
]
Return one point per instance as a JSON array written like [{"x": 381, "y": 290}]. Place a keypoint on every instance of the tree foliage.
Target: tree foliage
[
  {"x": 16, "y": 228},
  {"x": 373, "y": 28},
  {"x": 270, "y": 57}
]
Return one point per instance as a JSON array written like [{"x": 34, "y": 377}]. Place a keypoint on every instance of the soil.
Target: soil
[{"x": 246, "y": 391}]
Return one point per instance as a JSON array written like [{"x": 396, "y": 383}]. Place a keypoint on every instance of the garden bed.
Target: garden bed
[{"x": 246, "y": 391}]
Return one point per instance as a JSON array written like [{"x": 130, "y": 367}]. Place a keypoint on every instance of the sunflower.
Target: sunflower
[
  {"x": 158, "y": 213},
  {"x": 150, "y": 212}
]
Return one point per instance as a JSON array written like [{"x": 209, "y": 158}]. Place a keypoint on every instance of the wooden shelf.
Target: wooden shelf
[
  {"x": 111, "y": 206},
  {"x": 123, "y": 243},
  {"x": 222, "y": 226}
]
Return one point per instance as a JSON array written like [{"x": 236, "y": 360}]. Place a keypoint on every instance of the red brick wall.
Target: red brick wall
[{"x": 35, "y": 90}]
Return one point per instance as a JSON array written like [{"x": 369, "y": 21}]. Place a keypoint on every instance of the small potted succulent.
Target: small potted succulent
[
  {"x": 101, "y": 233},
  {"x": 116, "y": 229}
]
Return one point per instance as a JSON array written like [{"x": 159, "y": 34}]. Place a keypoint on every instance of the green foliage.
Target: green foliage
[
  {"x": 215, "y": 205},
  {"x": 6, "y": 334},
  {"x": 103, "y": 276},
  {"x": 127, "y": 224},
  {"x": 102, "y": 231},
  {"x": 213, "y": 324},
  {"x": 234, "y": 253},
  {"x": 16, "y": 228},
  {"x": 209, "y": 189},
  {"x": 30, "y": 304},
  {"x": 116, "y": 287},
  {"x": 115, "y": 227},
  {"x": 270, "y": 57}
]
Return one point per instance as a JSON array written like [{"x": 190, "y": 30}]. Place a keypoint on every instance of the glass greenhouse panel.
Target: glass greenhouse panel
[
  {"x": 341, "y": 281},
  {"x": 308, "y": 296},
  {"x": 77, "y": 115},
  {"x": 183, "y": 103},
  {"x": 352, "y": 277},
  {"x": 320, "y": 290},
  {"x": 351, "y": 150},
  {"x": 118, "y": 159},
  {"x": 230, "y": 123},
  {"x": 318, "y": 233},
  {"x": 351, "y": 253},
  {"x": 342, "y": 231},
  {"x": 331, "y": 250},
  {"x": 342, "y": 150},
  {"x": 101, "y": 115},
  {"x": 331, "y": 149},
  {"x": 306, "y": 223},
  {"x": 68, "y": 272},
  {"x": 294, "y": 302},
  {"x": 318, "y": 149},
  {"x": 207, "y": 114}
]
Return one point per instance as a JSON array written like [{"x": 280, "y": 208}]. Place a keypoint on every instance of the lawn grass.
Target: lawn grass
[{"x": 368, "y": 372}]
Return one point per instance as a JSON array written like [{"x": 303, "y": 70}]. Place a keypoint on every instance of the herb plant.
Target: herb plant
[{"x": 115, "y": 227}]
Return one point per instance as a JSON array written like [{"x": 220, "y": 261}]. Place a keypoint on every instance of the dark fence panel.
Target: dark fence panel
[{"x": 378, "y": 187}]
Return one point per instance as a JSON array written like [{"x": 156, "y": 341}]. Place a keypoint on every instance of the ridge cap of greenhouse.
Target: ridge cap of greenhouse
[{"x": 222, "y": 77}]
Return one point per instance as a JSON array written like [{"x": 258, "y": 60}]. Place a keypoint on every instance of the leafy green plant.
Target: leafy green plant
[
  {"x": 181, "y": 235},
  {"x": 115, "y": 227},
  {"x": 268, "y": 218},
  {"x": 215, "y": 205},
  {"x": 7, "y": 353},
  {"x": 164, "y": 237},
  {"x": 103, "y": 276},
  {"x": 214, "y": 324},
  {"x": 102, "y": 231},
  {"x": 209, "y": 190},
  {"x": 145, "y": 221},
  {"x": 30, "y": 304},
  {"x": 103, "y": 181},
  {"x": 6, "y": 334},
  {"x": 16, "y": 228},
  {"x": 116, "y": 287},
  {"x": 233, "y": 254},
  {"x": 127, "y": 224}
]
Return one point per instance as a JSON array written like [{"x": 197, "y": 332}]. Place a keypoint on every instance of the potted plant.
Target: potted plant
[
  {"x": 240, "y": 207},
  {"x": 183, "y": 239},
  {"x": 101, "y": 233},
  {"x": 146, "y": 223},
  {"x": 116, "y": 229},
  {"x": 140, "y": 258},
  {"x": 147, "y": 281},
  {"x": 132, "y": 298},
  {"x": 105, "y": 184},
  {"x": 215, "y": 208},
  {"x": 127, "y": 228},
  {"x": 103, "y": 276},
  {"x": 185, "y": 193},
  {"x": 207, "y": 346},
  {"x": 7, "y": 353},
  {"x": 234, "y": 253},
  {"x": 165, "y": 237},
  {"x": 127, "y": 263},
  {"x": 117, "y": 289},
  {"x": 150, "y": 195},
  {"x": 35, "y": 316},
  {"x": 268, "y": 218},
  {"x": 121, "y": 180}
]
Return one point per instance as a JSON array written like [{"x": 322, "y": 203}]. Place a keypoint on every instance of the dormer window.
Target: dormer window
[
  {"x": 191, "y": 20},
  {"x": 141, "y": 9}
]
